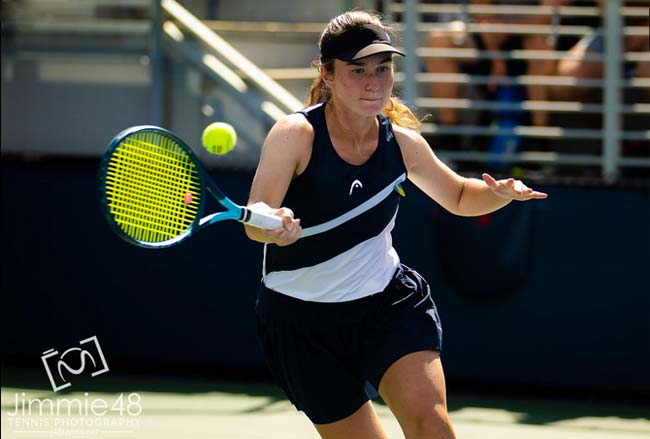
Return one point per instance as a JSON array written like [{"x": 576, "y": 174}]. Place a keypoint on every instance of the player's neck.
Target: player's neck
[
  {"x": 349, "y": 123},
  {"x": 354, "y": 137}
]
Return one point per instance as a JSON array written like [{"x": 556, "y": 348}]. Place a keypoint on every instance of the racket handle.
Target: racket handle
[{"x": 261, "y": 220}]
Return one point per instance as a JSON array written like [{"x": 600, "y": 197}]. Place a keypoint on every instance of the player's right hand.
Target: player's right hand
[{"x": 290, "y": 231}]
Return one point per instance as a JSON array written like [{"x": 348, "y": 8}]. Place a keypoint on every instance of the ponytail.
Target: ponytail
[{"x": 401, "y": 115}]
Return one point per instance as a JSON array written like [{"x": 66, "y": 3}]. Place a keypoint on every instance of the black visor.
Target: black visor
[{"x": 358, "y": 42}]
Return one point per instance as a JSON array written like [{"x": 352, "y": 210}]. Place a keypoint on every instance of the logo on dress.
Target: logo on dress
[
  {"x": 356, "y": 184},
  {"x": 389, "y": 135}
]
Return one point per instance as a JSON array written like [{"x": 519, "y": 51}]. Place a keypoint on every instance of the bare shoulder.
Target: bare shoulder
[
  {"x": 289, "y": 141},
  {"x": 293, "y": 127},
  {"x": 407, "y": 134},
  {"x": 414, "y": 147}
]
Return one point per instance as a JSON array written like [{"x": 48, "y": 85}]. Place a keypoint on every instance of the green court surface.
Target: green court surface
[{"x": 133, "y": 407}]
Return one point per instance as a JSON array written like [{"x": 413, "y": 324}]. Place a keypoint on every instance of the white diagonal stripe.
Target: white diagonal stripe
[{"x": 347, "y": 216}]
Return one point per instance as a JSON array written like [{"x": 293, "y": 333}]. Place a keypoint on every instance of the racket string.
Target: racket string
[
  {"x": 133, "y": 202},
  {"x": 149, "y": 193},
  {"x": 171, "y": 171},
  {"x": 148, "y": 179}
]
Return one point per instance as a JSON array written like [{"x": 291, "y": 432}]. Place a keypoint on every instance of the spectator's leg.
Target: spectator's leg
[
  {"x": 455, "y": 37},
  {"x": 539, "y": 67},
  {"x": 642, "y": 68},
  {"x": 573, "y": 64},
  {"x": 643, "y": 71}
]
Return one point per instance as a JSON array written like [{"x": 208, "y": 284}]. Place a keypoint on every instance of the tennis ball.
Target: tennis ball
[{"x": 219, "y": 138}]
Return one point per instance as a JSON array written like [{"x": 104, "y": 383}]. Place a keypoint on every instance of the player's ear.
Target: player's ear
[{"x": 327, "y": 76}]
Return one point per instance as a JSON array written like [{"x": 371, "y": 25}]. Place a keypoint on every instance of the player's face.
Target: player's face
[{"x": 364, "y": 85}]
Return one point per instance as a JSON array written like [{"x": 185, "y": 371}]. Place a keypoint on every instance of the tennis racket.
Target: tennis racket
[{"x": 154, "y": 191}]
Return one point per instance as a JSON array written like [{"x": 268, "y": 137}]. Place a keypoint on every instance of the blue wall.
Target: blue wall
[{"x": 550, "y": 293}]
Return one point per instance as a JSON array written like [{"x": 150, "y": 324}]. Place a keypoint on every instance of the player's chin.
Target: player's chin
[{"x": 373, "y": 106}]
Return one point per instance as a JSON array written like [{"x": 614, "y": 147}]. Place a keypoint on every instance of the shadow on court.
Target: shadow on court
[
  {"x": 544, "y": 411},
  {"x": 476, "y": 407}
]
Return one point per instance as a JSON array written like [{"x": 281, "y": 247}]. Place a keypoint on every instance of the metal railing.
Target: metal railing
[
  {"x": 222, "y": 53},
  {"x": 171, "y": 26},
  {"x": 237, "y": 79},
  {"x": 612, "y": 84},
  {"x": 150, "y": 33}
]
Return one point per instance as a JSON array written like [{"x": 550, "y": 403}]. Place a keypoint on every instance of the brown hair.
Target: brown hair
[{"x": 395, "y": 110}]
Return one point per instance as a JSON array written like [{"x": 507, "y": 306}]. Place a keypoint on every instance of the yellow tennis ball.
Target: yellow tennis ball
[{"x": 219, "y": 138}]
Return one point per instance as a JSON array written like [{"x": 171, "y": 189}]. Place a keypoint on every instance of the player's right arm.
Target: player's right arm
[{"x": 285, "y": 154}]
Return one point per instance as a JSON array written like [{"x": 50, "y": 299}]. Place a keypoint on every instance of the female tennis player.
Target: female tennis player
[{"x": 336, "y": 308}]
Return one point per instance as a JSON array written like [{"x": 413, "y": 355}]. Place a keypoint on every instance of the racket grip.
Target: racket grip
[{"x": 261, "y": 220}]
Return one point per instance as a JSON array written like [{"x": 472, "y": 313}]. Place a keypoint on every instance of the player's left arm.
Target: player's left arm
[{"x": 457, "y": 194}]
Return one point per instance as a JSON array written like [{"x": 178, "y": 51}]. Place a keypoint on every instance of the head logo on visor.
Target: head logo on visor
[{"x": 358, "y": 42}]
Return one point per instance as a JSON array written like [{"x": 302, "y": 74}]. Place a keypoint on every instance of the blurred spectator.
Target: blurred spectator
[
  {"x": 572, "y": 64},
  {"x": 575, "y": 64},
  {"x": 458, "y": 37}
]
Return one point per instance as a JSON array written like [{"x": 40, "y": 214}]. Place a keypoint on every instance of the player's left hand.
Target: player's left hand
[{"x": 512, "y": 189}]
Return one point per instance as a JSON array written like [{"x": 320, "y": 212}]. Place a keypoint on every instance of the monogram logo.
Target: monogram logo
[
  {"x": 356, "y": 184},
  {"x": 91, "y": 358}
]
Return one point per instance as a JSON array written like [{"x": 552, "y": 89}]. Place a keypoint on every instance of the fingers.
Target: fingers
[
  {"x": 290, "y": 231},
  {"x": 538, "y": 195},
  {"x": 502, "y": 185},
  {"x": 512, "y": 189},
  {"x": 487, "y": 178},
  {"x": 283, "y": 237},
  {"x": 526, "y": 193},
  {"x": 287, "y": 217}
]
